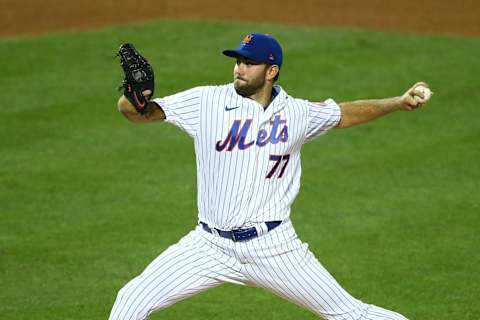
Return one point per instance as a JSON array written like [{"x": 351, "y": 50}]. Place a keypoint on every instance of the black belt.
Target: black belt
[{"x": 240, "y": 234}]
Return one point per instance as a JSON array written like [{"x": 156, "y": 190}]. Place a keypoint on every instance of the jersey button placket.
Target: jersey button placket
[
  {"x": 257, "y": 115},
  {"x": 258, "y": 158}
]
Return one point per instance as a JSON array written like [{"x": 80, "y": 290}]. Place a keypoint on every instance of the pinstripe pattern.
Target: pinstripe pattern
[
  {"x": 277, "y": 261},
  {"x": 320, "y": 119},
  {"x": 248, "y": 172},
  {"x": 232, "y": 189}
]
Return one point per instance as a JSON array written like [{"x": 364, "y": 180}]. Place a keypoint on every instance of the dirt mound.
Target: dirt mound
[{"x": 438, "y": 16}]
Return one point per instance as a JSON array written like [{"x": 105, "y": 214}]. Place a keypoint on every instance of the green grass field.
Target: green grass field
[{"x": 87, "y": 199}]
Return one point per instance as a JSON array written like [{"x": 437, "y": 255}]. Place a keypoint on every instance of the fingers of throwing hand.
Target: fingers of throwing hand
[{"x": 417, "y": 95}]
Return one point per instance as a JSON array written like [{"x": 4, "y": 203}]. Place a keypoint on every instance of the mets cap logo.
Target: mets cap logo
[{"x": 248, "y": 39}]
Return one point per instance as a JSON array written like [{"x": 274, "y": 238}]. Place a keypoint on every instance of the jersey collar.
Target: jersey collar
[{"x": 278, "y": 96}]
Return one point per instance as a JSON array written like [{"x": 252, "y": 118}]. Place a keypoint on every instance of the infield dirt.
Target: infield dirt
[{"x": 428, "y": 16}]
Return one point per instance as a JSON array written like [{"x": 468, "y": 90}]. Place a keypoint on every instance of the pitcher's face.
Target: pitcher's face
[{"x": 249, "y": 76}]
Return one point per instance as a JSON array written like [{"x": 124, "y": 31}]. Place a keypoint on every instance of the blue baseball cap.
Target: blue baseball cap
[{"x": 258, "y": 47}]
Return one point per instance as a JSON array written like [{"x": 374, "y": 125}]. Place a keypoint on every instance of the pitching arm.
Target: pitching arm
[{"x": 363, "y": 111}]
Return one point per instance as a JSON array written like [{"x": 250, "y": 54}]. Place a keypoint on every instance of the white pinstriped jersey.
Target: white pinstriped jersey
[
  {"x": 248, "y": 158},
  {"x": 248, "y": 172}
]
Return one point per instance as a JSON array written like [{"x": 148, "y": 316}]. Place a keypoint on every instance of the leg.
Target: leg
[
  {"x": 184, "y": 269},
  {"x": 284, "y": 265}
]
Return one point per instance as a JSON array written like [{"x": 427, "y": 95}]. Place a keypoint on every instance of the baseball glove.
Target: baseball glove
[{"x": 139, "y": 77}]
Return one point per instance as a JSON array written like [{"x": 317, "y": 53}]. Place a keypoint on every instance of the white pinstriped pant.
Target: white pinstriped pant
[{"x": 277, "y": 261}]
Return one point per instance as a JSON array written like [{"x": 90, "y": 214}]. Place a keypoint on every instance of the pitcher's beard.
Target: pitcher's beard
[{"x": 247, "y": 90}]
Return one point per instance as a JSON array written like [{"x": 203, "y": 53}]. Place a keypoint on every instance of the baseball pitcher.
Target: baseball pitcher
[{"x": 247, "y": 136}]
